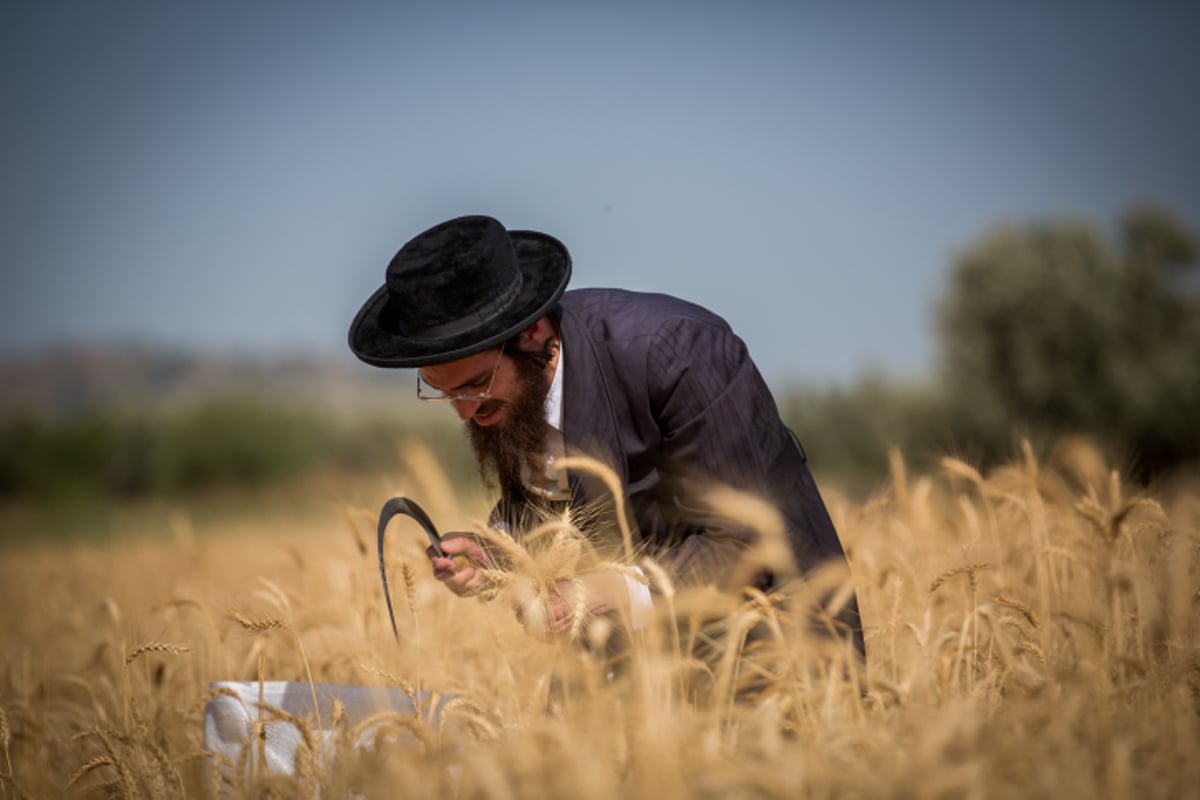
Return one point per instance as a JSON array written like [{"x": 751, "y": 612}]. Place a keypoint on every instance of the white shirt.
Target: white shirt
[
  {"x": 554, "y": 408},
  {"x": 641, "y": 607},
  {"x": 551, "y": 483}
]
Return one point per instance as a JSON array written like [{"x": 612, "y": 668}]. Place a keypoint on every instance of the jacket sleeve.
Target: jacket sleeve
[{"x": 717, "y": 422}]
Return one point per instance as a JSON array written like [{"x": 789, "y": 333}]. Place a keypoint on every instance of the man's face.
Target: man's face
[
  {"x": 483, "y": 372},
  {"x": 512, "y": 422}
]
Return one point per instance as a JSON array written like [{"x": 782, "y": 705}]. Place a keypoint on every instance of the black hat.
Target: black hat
[{"x": 457, "y": 289}]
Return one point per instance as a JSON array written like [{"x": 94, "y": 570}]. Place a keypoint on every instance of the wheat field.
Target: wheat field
[{"x": 1032, "y": 632}]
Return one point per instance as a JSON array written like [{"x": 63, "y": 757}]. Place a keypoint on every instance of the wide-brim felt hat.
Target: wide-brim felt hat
[{"x": 457, "y": 289}]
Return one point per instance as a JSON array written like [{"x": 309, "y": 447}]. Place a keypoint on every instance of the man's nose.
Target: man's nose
[{"x": 466, "y": 408}]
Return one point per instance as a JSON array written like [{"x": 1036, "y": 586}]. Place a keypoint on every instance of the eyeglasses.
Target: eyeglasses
[{"x": 442, "y": 397}]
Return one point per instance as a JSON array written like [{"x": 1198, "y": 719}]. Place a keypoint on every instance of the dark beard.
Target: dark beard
[{"x": 499, "y": 449}]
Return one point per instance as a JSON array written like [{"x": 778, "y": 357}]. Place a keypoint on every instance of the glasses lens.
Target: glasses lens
[{"x": 430, "y": 395}]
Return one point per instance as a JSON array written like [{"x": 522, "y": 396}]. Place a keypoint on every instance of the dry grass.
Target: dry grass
[{"x": 1034, "y": 632}]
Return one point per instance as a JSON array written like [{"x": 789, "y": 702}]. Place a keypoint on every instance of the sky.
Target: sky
[{"x": 235, "y": 176}]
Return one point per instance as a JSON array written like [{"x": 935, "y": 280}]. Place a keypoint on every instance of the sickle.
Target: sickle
[{"x": 402, "y": 505}]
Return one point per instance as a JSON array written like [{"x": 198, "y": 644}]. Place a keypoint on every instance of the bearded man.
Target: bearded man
[{"x": 659, "y": 389}]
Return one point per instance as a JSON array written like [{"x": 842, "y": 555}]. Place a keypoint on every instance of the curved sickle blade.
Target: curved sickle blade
[{"x": 402, "y": 505}]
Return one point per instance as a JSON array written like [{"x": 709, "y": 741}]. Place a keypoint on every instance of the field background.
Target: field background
[
  {"x": 1031, "y": 598},
  {"x": 1032, "y": 632},
  {"x": 954, "y": 238}
]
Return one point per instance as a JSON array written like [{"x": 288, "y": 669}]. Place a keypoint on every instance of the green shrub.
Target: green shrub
[{"x": 1047, "y": 329}]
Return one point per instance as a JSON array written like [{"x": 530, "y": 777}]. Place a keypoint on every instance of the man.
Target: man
[{"x": 659, "y": 389}]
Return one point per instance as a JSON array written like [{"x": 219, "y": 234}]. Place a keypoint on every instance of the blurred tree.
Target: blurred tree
[
  {"x": 1047, "y": 330},
  {"x": 847, "y": 431}
]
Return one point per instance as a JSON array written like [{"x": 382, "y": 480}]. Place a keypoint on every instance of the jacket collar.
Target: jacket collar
[{"x": 589, "y": 415}]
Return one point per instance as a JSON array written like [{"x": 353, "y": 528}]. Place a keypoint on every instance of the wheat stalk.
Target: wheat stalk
[
  {"x": 517, "y": 556},
  {"x": 180, "y": 602},
  {"x": 395, "y": 719},
  {"x": 390, "y": 677},
  {"x": 125, "y": 776},
  {"x": 969, "y": 569},
  {"x": 276, "y": 596},
  {"x": 5, "y": 735},
  {"x": 1118, "y": 620},
  {"x": 270, "y": 713},
  {"x": 156, "y": 647},
  {"x": 360, "y": 540},
  {"x": 1027, "y": 612},
  {"x": 579, "y": 611},
  {"x": 257, "y": 625},
  {"x": 1030, "y": 647},
  {"x": 477, "y": 717},
  {"x": 963, "y": 470},
  {"x": 410, "y": 588},
  {"x": 212, "y": 694},
  {"x": 264, "y": 625},
  {"x": 94, "y": 763},
  {"x": 339, "y": 713},
  {"x": 221, "y": 768},
  {"x": 613, "y": 484}
]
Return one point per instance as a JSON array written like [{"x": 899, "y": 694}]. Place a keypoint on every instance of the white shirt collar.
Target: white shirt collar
[{"x": 554, "y": 413}]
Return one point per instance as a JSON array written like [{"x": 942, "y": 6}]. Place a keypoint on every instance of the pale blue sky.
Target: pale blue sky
[{"x": 237, "y": 175}]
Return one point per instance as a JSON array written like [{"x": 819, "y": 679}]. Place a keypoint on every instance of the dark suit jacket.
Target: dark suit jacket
[{"x": 665, "y": 393}]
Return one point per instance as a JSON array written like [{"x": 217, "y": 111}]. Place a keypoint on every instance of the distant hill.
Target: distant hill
[{"x": 78, "y": 378}]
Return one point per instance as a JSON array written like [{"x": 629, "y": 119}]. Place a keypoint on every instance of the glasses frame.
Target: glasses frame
[{"x": 457, "y": 397}]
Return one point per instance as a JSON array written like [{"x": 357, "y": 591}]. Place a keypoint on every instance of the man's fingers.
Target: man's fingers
[
  {"x": 463, "y": 582},
  {"x": 462, "y": 543},
  {"x": 455, "y": 561},
  {"x": 463, "y": 549},
  {"x": 457, "y": 573},
  {"x": 458, "y": 568}
]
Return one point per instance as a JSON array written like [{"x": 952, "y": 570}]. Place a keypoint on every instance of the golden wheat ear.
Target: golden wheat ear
[{"x": 155, "y": 647}]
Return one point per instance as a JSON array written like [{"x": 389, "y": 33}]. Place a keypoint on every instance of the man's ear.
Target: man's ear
[{"x": 533, "y": 337}]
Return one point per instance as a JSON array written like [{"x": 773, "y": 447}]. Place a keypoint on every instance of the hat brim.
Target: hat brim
[{"x": 545, "y": 268}]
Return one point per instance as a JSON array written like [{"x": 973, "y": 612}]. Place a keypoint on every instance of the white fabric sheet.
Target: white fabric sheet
[{"x": 229, "y": 720}]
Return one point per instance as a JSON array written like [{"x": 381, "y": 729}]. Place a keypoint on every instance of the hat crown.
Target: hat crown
[
  {"x": 454, "y": 276},
  {"x": 457, "y": 289}
]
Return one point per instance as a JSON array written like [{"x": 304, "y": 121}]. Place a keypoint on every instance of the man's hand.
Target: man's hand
[
  {"x": 461, "y": 571},
  {"x": 591, "y": 594}
]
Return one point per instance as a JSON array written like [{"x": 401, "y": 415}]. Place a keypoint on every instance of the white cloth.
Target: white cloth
[{"x": 229, "y": 719}]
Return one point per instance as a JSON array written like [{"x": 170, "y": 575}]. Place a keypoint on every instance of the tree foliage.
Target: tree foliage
[
  {"x": 1050, "y": 330},
  {"x": 217, "y": 442}
]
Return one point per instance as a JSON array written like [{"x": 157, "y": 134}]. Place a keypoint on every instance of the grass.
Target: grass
[{"x": 1032, "y": 632}]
